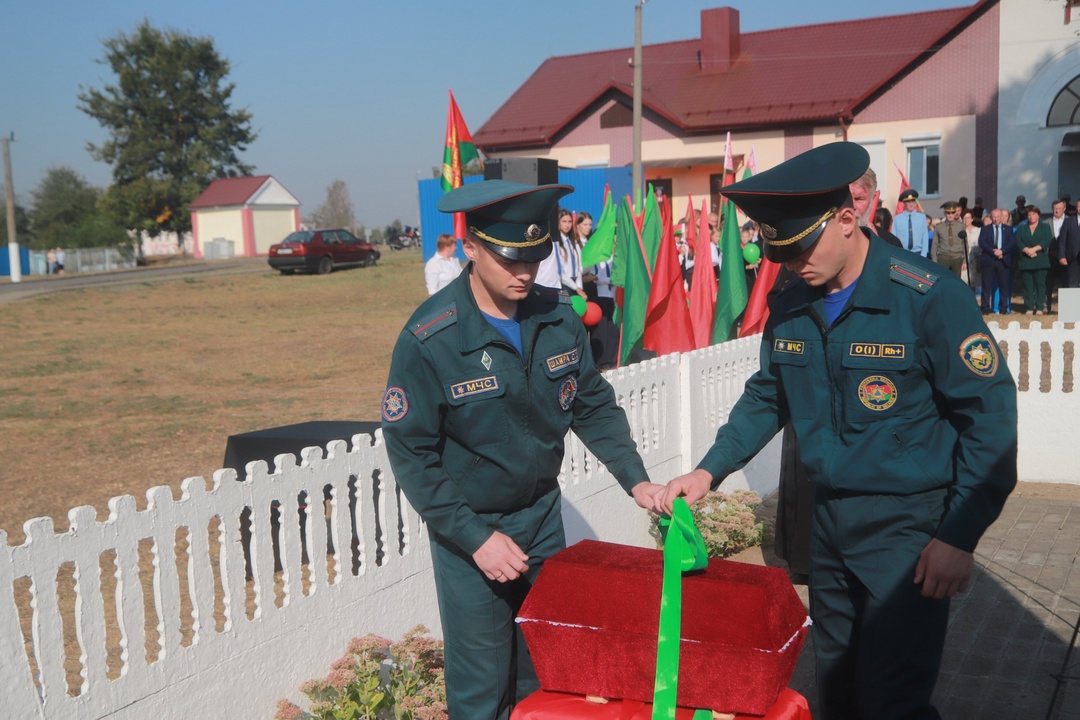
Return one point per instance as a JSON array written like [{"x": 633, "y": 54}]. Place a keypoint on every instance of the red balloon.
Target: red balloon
[{"x": 592, "y": 315}]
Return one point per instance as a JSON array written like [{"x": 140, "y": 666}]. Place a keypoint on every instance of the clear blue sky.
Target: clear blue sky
[{"x": 340, "y": 89}]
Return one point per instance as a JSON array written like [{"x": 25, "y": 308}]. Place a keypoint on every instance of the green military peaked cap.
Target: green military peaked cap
[
  {"x": 792, "y": 201},
  {"x": 512, "y": 219}
]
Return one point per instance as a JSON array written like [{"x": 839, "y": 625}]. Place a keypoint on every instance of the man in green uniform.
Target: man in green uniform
[
  {"x": 487, "y": 377},
  {"x": 950, "y": 240},
  {"x": 906, "y": 415}
]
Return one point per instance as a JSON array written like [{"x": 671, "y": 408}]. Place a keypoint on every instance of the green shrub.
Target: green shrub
[
  {"x": 378, "y": 680},
  {"x": 727, "y": 522}
]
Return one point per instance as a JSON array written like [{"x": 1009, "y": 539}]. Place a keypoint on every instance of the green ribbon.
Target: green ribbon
[{"x": 684, "y": 550}]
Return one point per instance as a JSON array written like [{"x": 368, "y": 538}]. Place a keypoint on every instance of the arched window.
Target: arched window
[{"x": 1065, "y": 109}]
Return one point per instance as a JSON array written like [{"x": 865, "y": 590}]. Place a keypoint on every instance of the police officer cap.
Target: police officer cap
[
  {"x": 950, "y": 205},
  {"x": 909, "y": 194},
  {"x": 512, "y": 219},
  {"x": 792, "y": 201}
]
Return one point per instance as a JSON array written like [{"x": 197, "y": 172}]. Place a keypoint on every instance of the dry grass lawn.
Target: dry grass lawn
[{"x": 114, "y": 390}]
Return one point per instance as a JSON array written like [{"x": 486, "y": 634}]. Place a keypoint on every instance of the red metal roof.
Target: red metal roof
[
  {"x": 791, "y": 75},
  {"x": 225, "y": 192}
]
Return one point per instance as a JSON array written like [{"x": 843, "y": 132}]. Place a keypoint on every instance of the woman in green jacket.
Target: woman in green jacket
[{"x": 1033, "y": 241}]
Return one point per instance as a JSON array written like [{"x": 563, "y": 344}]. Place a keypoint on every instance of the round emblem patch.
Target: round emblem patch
[
  {"x": 980, "y": 355},
  {"x": 394, "y": 404},
  {"x": 567, "y": 392},
  {"x": 877, "y": 392}
]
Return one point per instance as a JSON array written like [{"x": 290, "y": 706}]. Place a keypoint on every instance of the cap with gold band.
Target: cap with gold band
[
  {"x": 793, "y": 201},
  {"x": 511, "y": 219}
]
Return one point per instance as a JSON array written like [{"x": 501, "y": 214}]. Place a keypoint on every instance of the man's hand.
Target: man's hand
[
  {"x": 500, "y": 558},
  {"x": 692, "y": 486},
  {"x": 1063, "y": 261},
  {"x": 647, "y": 495},
  {"x": 943, "y": 570}
]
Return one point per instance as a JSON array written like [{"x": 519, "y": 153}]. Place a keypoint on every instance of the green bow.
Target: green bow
[{"x": 684, "y": 550}]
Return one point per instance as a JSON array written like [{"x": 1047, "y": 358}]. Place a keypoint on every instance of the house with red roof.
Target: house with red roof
[
  {"x": 945, "y": 95},
  {"x": 252, "y": 212}
]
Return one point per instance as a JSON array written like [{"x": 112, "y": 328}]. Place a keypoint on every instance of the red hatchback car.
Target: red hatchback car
[{"x": 320, "y": 251}]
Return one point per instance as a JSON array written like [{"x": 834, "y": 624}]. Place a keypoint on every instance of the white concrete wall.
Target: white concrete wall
[
  {"x": 271, "y": 225},
  {"x": 1040, "y": 54},
  {"x": 226, "y": 224}
]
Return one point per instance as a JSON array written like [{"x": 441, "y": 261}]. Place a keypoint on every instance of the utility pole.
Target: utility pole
[
  {"x": 9, "y": 191},
  {"x": 635, "y": 172}
]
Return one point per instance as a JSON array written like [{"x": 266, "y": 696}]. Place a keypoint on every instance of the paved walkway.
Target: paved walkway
[{"x": 1009, "y": 633}]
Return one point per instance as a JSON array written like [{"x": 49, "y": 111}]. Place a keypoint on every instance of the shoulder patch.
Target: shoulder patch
[
  {"x": 911, "y": 275},
  {"x": 979, "y": 353},
  {"x": 444, "y": 317}
]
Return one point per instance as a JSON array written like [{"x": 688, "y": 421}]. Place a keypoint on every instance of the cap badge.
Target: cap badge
[
  {"x": 532, "y": 233},
  {"x": 768, "y": 231}
]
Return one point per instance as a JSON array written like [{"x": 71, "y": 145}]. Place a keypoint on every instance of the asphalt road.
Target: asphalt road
[{"x": 34, "y": 285}]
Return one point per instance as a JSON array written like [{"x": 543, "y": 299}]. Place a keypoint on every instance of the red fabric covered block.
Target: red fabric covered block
[
  {"x": 543, "y": 705},
  {"x": 591, "y": 622}
]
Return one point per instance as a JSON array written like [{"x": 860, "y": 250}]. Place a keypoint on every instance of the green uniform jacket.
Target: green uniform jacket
[
  {"x": 1024, "y": 239},
  {"x": 906, "y": 392},
  {"x": 944, "y": 248},
  {"x": 470, "y": 427}
]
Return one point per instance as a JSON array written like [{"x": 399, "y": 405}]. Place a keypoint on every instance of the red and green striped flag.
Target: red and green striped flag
[{"x": 460, "y": 151}]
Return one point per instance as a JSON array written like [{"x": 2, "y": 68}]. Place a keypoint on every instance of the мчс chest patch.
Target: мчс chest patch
[
  {"x": 980, "y": 355},
  {"x": 877, "y": 392},
  {"x": 563, "y": 360},
  {"x": 793, "y": 347},
  {"x": 478, "y": 386}
]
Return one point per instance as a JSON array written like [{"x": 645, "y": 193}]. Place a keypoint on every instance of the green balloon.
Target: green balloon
[
  {"x": 751, "y": 253},
  {"x": 578, "y": 304}
]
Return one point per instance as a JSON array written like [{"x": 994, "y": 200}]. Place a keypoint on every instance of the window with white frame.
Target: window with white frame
[{"x": 924, "y": 165}]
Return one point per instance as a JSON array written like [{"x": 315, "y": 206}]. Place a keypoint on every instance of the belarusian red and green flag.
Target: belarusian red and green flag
[
  {"x": 460, "y": 151},
  {"x": 731, "y": 296}
]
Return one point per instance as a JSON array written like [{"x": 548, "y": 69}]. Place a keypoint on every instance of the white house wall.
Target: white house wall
[
  {"x": 1039, "y": 56},
  {"x": 271, "y": 226},
  {"x": 225, "y": 223}
]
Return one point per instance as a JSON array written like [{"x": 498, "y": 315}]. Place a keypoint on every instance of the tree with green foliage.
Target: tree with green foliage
[
  {"x": 65, "y": 213},
  {"x": 171, "y": 128},
  {"x": 337, "y": 211}
]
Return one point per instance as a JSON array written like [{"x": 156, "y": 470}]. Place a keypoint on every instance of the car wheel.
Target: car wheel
[
  {"x": 369, "y": 261},
  {"x": 325, "y": 266},
  {"x": 286, "y": 271}
]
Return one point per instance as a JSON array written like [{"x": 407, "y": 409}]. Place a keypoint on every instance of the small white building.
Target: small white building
[{"x": 252, "y": 213}]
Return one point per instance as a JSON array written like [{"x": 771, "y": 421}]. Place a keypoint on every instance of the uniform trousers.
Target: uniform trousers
[
  {"x": 488, "y": 668},
  {"x": 877, "y": 641},
  {"x": 953, "y": 262}
]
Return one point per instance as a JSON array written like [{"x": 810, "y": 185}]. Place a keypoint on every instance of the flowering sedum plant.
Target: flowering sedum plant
[
  {"x": 378, "y": 680},
  {"x": 727, "y": 522}
]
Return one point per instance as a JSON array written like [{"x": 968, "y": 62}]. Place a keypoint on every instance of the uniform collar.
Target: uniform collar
[
  {"x": 541, "y": 306},
  {"x": 874, "y": 278}
]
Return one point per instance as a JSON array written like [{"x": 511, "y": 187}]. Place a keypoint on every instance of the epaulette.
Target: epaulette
[
  {"x": 444, "y": 317},
  {"x": 551, "y": 294},
  {"x": 911, "y": 275}
]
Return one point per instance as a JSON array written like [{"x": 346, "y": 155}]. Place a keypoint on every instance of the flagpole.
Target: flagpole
[{"x": 635, "y": 173}]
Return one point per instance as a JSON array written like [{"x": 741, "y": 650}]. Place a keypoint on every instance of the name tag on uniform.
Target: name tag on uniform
[
  {"x": 793, "y": 347},
  {"x": 881, "y": 350},
  {"x": 563, "y": 360},
  {"x": 474, "y": 387}
]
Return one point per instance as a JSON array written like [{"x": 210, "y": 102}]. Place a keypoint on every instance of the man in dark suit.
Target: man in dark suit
[
  {"x": 1063, "y": 251},
  {"x": 998, "y": 245}
]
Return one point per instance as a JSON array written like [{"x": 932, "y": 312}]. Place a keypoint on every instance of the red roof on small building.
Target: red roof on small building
[
  {"x": 225, "y": 192},
  {"x": 778, "y": 77}
]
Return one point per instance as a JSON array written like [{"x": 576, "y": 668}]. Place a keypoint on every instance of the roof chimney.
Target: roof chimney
[{"x": 719, "y": 39}]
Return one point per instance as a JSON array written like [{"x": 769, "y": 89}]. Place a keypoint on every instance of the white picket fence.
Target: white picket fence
[{"x": 151, "y": 613}]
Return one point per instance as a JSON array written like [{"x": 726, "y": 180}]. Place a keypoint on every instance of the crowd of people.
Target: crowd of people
[{"x": 996, "y": 250}]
